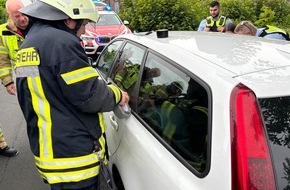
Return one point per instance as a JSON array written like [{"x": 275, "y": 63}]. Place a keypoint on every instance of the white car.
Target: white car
[{"x": 214, "y": 114}]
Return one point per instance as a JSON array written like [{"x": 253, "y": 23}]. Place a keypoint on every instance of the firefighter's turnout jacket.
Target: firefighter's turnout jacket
[
  {"x": 10, "y": 39},
  {"x": 62, "y": 99},
  {"x": 128, "y": 76}
]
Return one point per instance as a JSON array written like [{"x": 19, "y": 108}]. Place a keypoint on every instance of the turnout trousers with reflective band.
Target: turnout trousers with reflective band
[
  {"x": 62, "y": 101},
  {"x": 73, "y": 169}
]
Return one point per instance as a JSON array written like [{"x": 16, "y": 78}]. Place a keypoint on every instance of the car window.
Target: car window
[
  {"x": 107, "y": 57},
  {"x": 276, "y": 113},
  {"x": 108, "y": 19},
  {"x": 175, "y": 106},
  {"x": 126, "y": 72}
]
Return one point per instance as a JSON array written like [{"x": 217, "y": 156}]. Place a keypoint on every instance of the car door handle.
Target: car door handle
[{"x": 114, "y": 123}]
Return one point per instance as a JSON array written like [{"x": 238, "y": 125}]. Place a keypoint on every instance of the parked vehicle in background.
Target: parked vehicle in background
[
  {"x": 102, "y": 6},
  {"x": 207, "y": 111},
  {"x": 99, "y": 34}
]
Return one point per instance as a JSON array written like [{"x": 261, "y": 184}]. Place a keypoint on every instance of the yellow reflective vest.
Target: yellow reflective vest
[
  {"x": 212, "y": 24},
  {"x": 10, "y": 39},
  {"x": 272, "y": 30}
]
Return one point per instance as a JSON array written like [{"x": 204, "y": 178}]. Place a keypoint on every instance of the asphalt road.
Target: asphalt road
[{"x": 16, "y": 173}]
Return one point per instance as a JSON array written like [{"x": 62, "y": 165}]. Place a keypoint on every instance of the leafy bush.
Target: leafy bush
[
  {"x": 267, "y": 16},
  {"x": 238, "y": 10},
  {"x": 281, "y": 11},
  {"x": 146, "y": 15},
  {"x": 3, "y": 17}
]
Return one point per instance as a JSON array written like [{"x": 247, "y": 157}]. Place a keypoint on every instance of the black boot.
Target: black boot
[{"x": 8, "y": 151}]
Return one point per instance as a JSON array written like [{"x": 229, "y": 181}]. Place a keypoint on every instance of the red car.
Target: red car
[{"x": 99, "y": 34}]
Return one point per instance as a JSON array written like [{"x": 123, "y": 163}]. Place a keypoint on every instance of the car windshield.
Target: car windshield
[
  {"x": 276, "y": 113},
  {"x": 108, "y": 19}
]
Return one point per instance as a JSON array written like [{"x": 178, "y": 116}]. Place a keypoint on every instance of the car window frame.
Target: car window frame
[
  {"x": 115, "y": 62},
  {"x": 117, "y": 56},
  {"x": 158, "y": 137},
  {"x": 136, "y": 94}
]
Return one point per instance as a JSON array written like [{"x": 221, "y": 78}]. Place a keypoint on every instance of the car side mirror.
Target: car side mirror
[{"x": 126, "y": 22}]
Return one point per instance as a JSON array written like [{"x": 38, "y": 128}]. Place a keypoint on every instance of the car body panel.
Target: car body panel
[
  {"x": 261, "y": 82},
  {"x": 221, "y": 62}
]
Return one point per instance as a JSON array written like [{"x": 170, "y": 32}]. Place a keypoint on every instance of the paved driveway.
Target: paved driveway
[{"x": 16, "y": 173}]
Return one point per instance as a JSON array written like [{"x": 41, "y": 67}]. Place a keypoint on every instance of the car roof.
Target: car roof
[
  {"x": 246, "y": 58},
  {"x": 238, "y": 54}
]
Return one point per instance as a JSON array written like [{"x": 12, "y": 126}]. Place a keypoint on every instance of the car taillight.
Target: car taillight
[{"x": 251, "y": 161}]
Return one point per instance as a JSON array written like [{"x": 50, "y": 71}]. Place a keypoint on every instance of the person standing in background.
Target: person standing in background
[
  {"x": 215, "y": 22},
  {"x": 12, "y": 34}
]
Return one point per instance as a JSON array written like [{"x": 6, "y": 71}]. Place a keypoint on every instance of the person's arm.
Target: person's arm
[
  {"x": 81, "y": 86},
  {"x": 201, "y": 26},
  {"x": 228, "y": 21},
  {"x": 6, "y": 69},
  {"x": 275, "y": 36}
]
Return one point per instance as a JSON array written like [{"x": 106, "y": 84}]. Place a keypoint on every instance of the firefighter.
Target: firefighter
[
  {"x": 248, "y": 28},
  {"x": 165, "y": 92},
  {"x": 11, "y": 35},
  {"x": 215, "y": 22},
  {"x": 127, "y": 77},
  {"x": 60, "y": 94},
  {"x": 157, "y": 94}
]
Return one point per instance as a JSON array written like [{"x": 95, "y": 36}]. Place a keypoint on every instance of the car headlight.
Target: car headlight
[{"x": 87, "y": 38}]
